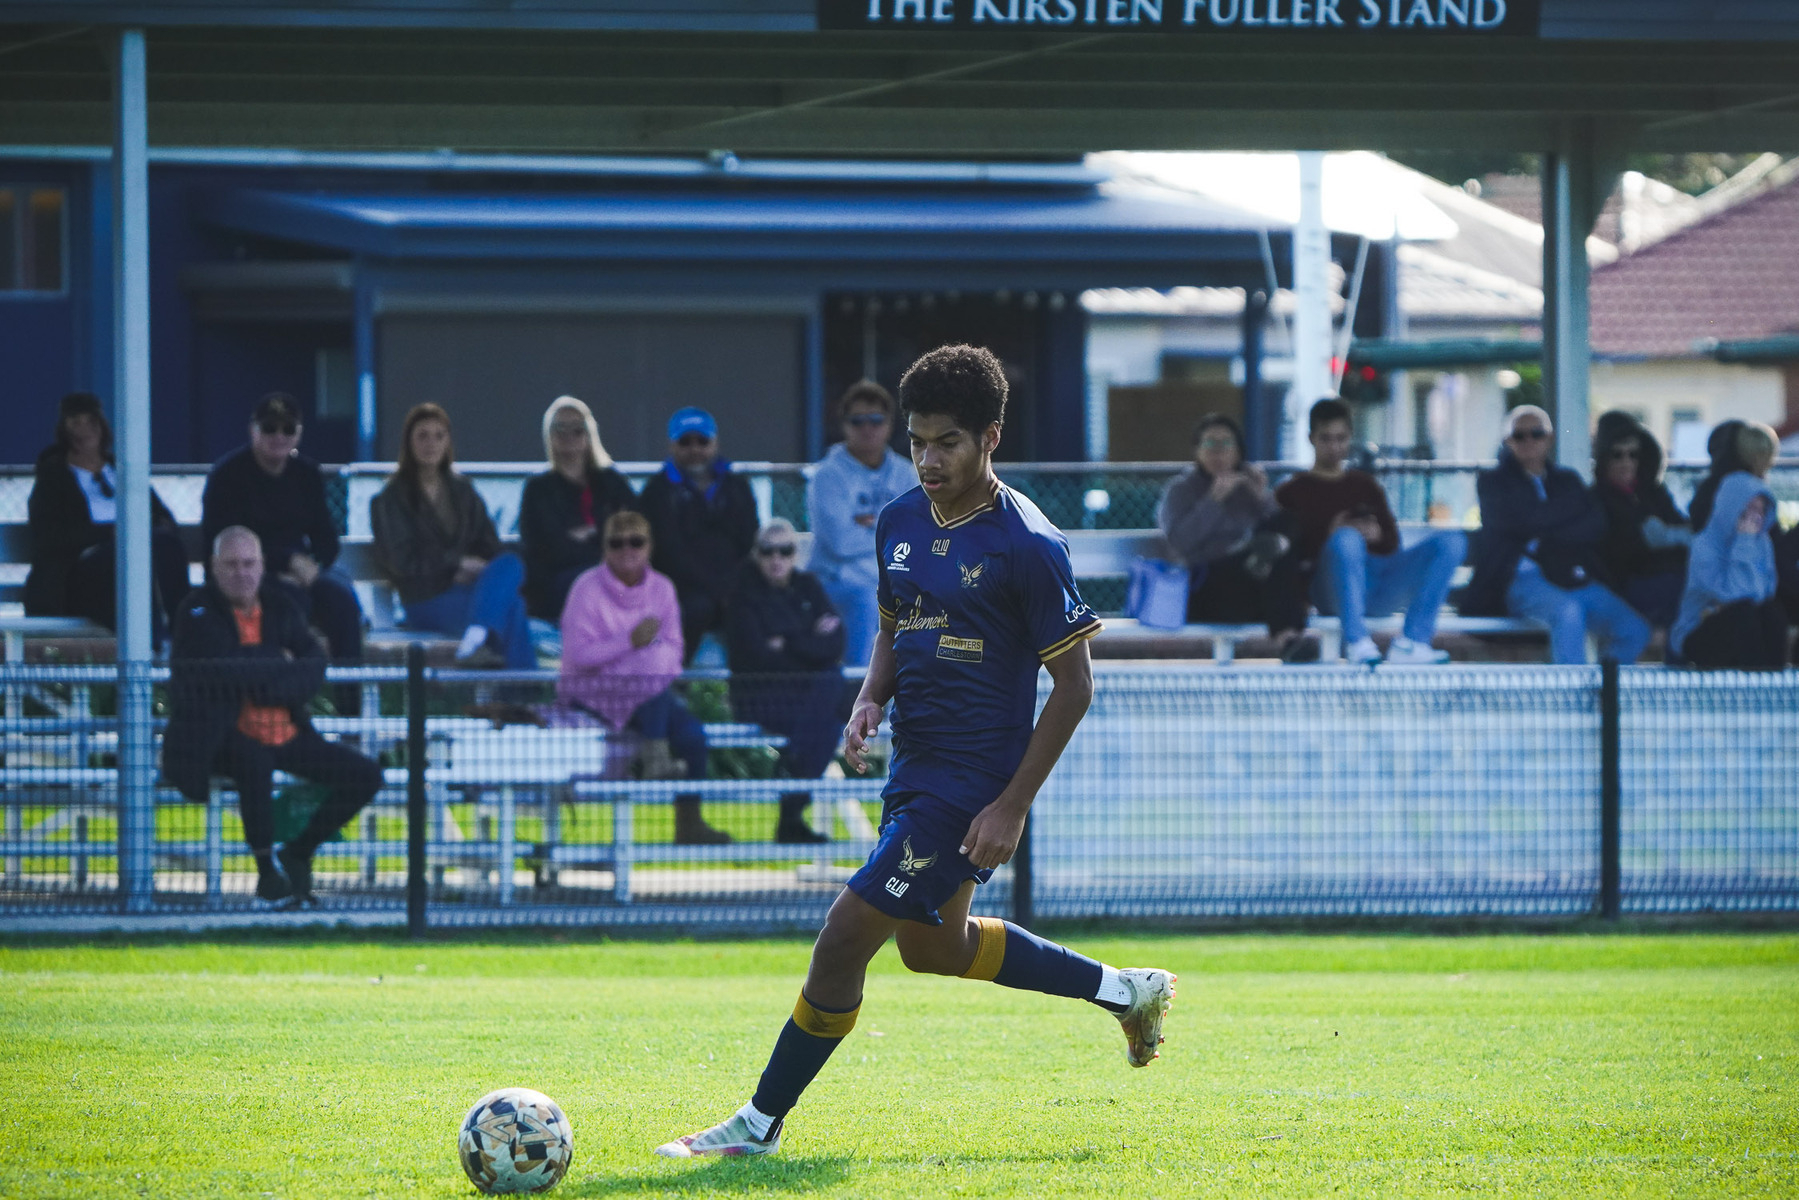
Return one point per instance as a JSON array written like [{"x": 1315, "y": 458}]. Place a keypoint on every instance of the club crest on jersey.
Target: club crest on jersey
[
  {"x": 910, "y": 863},
  {"x": 901, "y": 553},
  {"x": 940, "y": 547},
  {"x": 971, "y": 576}
]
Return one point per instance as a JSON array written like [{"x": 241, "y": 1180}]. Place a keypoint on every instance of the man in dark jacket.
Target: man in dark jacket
[
  {"x": 702, "y": 522},
  {"x": 1538, "y": 549},
  {"x": 276, "y": 492},
  {"x": 243, "y": 669}
]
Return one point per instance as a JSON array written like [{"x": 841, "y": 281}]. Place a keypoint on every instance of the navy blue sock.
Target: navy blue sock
[
  {"x": 800, "y": 1053},
  {"x": 1016, "y": 958}
]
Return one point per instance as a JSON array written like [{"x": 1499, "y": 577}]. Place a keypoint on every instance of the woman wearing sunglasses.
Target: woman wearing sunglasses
[
  {"x": 1538, "y": 550},
  {"x": 1646, "y": 534},
  {"x": 72, "y": 510},
  {"x": 621, "y": 649},
  {"x": 786, "y": 640}
]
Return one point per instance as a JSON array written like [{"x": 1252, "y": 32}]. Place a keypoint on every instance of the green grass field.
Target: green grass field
[{"x": 1568, "y": 1065}]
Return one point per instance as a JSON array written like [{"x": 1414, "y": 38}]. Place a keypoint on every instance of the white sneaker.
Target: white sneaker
[
  {"x": 1362, "y": 653},
  {"x": 1152, "y": 991},
  {"x": 729, "y": 1137},
  {"x": 1406, "y": 653}
]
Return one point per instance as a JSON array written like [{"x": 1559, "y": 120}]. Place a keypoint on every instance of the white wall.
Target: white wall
[{"x": 1659, "y": 389}]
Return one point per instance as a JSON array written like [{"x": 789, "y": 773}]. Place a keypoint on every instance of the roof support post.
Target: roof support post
[
  {"x": 1577, "y": 177},
  {"x": 131, "y": 419},
  {"x": 1261, "y": 421}
]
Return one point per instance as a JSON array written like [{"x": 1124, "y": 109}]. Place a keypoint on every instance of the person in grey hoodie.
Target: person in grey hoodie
[
  {"x": 1221, "y": 518},
  {"x": 1729, "y": 616},
  {"x": 856, "y": 479}
]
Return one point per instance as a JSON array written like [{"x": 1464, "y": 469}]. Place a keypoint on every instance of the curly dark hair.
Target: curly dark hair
[
  {"x": 1327, "y": 410},
  {"x": 964, "y": 383}
]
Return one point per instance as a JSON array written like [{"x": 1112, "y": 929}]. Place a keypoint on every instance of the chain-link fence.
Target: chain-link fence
[{"x": 461, "y": 798}]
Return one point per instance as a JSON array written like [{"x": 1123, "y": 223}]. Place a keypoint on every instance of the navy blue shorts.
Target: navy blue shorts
[{"x": 918, "y": 863}]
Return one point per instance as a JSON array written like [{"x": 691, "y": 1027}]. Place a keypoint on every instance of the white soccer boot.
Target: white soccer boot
[
  {"x": 1152, "y": 991},
  {"x": 1403, "y": 652},
  {"x": 730, "y": 1136}
]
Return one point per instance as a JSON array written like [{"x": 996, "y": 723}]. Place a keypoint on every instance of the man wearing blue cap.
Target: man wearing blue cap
[{"x": 703, "y": 522}]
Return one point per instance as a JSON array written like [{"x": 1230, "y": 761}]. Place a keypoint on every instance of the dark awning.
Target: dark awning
[
  {"x": 1111, "y": 233},
  {"x": 1444, "y": 352}
]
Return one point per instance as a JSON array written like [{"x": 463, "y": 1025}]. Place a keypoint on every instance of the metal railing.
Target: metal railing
[{"x": 1186, "y": 793}]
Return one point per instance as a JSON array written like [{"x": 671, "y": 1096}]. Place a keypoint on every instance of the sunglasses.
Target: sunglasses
[
  {"x": 568, "y": 430},
  {"x": 861, "y": 420},
  {"x": 693, "y": 439},
  {"x": 1226, "y": 442},
  {"x": 1623, "y": 452},
  {"x": 635, "y": 541},
  {"x": 1529, "y": 435},
  {"x": 283, "y": 428},
  {"x": 777, "y": 551}
]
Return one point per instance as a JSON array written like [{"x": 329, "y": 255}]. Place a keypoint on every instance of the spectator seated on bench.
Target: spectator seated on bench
[
  {"x": 1540, "y": 529},
  {"x": 564, "y": 509},
  {"x": 786, "y": 649},
  {"x": 1349, "y": 542},
  {"x": 243, "y": 669},
  {"x": 1644, "y": 549},
  {"x": 277, "y": 493},
  {"x": 72, "y": 512},
  {"x": 621, "y": 649},
  {"x": 1730, "y": 617},
  {"x": 438, "y": 545},
  {"x": 1222, "y": 520}
]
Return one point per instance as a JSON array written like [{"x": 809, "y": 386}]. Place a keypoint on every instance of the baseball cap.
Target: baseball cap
[
  {"x": 277, "y": 406},
  {"x": 691, "y": 420}
]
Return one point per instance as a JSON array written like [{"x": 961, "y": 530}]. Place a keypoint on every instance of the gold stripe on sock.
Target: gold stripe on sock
[
  {"x": 991, "y": 952},
  {"x": 823, "y": 1024}
]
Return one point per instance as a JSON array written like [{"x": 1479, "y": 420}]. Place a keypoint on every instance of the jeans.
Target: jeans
[
  {"x": 330, "y": 604},
  {"x": 663, "y": 716},
  {"x": 492, "y": 601},
  {"x": 861, "y": 614},
  {"x": 1571, "y": 612},
  {"x": 1657, "y": 596},
  {"x": 1355, "y": 584}
]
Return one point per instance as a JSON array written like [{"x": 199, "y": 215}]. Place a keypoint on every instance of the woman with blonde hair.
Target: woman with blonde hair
[
  {"x": 438, "y": 546},
  {"x": 565, "y": 507}
]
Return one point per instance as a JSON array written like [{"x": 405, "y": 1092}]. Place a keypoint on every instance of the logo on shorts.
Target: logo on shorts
[
  {"x": 910, "y": 863},
  {"x": 897, "y": 886},
  {"x": 901, "y": 553}
]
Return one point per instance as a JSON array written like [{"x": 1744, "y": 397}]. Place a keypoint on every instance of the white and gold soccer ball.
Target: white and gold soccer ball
[{"x": 515, "y": 1140}]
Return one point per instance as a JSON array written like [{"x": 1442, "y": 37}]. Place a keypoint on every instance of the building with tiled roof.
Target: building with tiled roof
[{"x": 1659, "y": 314}]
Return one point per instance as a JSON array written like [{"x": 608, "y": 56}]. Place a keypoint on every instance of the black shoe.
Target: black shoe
[
  {"x": 799, "y": 833},
  {"x": 298, "y": 865},
  {"x": 271, "y": 884},
  {"x": 1302, "y": 649}
]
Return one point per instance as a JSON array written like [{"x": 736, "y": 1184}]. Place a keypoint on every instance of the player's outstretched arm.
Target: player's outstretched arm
[
  {"x": 871, "y": 701},
  {"x": 996, "y": 829}
]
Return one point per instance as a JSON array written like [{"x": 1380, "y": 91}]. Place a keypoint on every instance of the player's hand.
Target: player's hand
[
  {"x": 993, "y": 835},
  {"x": 865, "y": 722}
]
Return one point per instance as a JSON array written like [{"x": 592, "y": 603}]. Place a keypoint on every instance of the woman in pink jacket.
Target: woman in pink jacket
[{"x": 621, "y": 649}]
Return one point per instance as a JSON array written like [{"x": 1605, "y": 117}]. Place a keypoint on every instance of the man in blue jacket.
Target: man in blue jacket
[{"x": 1539, "y": 549}]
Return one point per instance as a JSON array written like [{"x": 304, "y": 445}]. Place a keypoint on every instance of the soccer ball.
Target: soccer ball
[{"x": 515, "y": 1140}]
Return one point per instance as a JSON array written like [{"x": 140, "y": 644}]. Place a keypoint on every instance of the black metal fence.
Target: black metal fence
[{"x": 1189, "y": 791}]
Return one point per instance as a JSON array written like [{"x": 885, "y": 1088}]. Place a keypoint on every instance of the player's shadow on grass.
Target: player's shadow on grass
[{"x": 721, "y": 1174}]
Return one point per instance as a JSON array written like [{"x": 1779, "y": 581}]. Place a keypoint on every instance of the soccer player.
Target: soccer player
[{"x": 975, "y": 592}]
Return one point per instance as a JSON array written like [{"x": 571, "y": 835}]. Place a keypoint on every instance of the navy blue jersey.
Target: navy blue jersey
[{"x": 975, "y": 606}]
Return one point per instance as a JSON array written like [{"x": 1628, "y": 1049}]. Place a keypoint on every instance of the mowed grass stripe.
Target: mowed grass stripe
[{"x": 1295, "y": 1066}]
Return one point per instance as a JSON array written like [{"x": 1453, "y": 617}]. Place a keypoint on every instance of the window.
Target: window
[{"x": 32, "y": 239}]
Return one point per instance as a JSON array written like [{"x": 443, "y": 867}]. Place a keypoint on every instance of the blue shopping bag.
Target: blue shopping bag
[{"x": 1158, "y": 593}]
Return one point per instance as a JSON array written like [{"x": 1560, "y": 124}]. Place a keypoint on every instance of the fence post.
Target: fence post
[
  {"x": 1610, "y": 789},
  {"x": 1021, "y": 878},
  {"x": 415, "y": 790}
]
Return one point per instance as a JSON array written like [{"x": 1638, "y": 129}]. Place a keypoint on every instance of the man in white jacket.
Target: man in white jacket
[{"x": 856, "y": 479}]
